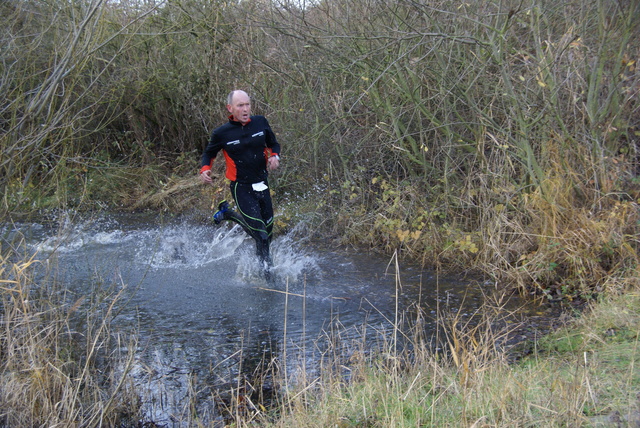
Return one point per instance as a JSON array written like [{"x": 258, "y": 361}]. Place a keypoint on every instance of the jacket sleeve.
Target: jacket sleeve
[
  {"x": 272, "y": 142},
  {"x": 210, "y": 152}
]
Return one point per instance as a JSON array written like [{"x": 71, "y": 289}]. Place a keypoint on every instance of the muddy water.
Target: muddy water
[{"x": 205, "y": 317}]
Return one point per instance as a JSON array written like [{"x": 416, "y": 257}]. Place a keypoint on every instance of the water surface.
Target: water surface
[{"x": 204, "y": 314}]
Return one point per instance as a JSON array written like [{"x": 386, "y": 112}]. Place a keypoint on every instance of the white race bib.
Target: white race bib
[{"x": 259, "y": 187}]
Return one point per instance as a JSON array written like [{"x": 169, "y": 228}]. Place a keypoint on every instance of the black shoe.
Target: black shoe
[{"x": 218, "y": 216}]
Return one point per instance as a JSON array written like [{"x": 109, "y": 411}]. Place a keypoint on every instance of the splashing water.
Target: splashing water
[{"x": 180, "y": 246}]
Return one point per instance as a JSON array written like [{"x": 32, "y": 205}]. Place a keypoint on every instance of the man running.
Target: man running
[{"x": 250, "y": 149}]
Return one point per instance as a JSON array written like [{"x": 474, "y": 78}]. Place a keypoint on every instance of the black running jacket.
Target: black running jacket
[{"x": 246, "y": 149}]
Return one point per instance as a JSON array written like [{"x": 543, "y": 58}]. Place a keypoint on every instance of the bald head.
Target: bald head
[
  {"x": 239, "y": 105},
  {"x": 234, "y": 93}
]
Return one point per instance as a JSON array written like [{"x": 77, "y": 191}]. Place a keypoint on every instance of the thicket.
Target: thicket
[{"x": 500, "y": 136}]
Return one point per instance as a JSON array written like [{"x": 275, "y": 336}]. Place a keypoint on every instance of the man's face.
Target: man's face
[{"x": 240, "y": 108}]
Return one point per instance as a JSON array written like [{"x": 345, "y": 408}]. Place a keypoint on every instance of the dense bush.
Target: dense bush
[{"x": 484, "y": 135}]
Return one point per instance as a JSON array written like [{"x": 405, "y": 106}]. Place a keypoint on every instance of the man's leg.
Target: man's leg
[
  {"x": 249, "y": 204},
  {"x": 266, "y": 210}
]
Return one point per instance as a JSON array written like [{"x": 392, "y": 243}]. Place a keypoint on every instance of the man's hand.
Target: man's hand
[
  {"x": 205, "y": 177},
  {"x": 273, "y": 163}
]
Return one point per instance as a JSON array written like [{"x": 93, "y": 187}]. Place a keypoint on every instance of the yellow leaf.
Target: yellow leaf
[{"x": 402, "y": 235}]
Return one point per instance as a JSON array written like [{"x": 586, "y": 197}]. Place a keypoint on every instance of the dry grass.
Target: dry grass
[
  {"x": 61, "y": 363},
  {"x": 593, "y": 382}
]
